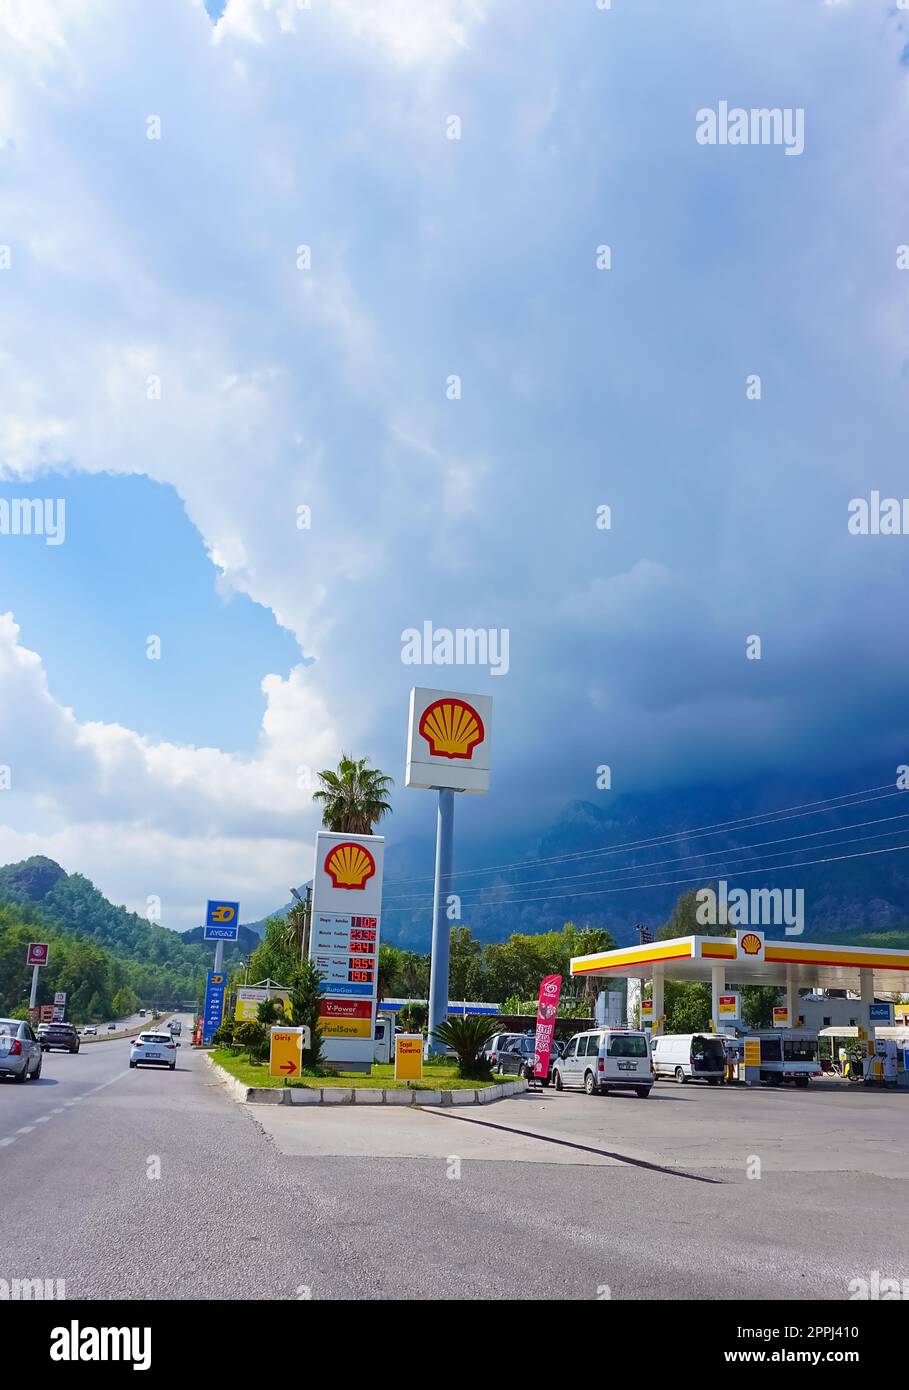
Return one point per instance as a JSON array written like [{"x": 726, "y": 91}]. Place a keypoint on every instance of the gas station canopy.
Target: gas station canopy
[{"x": 750, "y": 960}]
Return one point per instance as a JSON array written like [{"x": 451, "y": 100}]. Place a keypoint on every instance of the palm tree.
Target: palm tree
[{"x": 353, "y": 798}]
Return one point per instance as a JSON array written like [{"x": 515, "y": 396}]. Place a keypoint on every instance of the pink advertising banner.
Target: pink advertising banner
[{"x": 547, "y": 1008}]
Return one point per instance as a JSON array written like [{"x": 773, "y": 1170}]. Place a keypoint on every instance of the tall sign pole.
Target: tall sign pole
[
  {"x": 441, "y": 934},
  {"x": 36, "y": 957},
  {"x": 448, "y": 750},
  {"x": 222, "y": 923}
]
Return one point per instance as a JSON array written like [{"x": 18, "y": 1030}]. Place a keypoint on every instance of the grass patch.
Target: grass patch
[{"x": 436, "y": 1078}]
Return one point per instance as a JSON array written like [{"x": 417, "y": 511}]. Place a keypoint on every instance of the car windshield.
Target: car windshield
[{"x": 153, "y": 1038}]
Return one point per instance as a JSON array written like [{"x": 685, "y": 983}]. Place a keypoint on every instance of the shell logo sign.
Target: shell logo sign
[
  {"x": 452, "y": 728},
  {"x": 349, "y": 865},
  {"x": 749, "y": 945},
  {"x": 449, "y": 739}
]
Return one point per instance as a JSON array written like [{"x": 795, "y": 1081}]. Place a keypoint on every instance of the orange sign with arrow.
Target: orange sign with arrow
[{"x": 284, "y": 1057}]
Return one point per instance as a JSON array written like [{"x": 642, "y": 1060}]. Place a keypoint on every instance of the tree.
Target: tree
[
  {"x": 387, "y": 968},
  {"x": 353, "y": 798},
  {"x": 464, "y": 964},
  {"x": 272, "y": 959},
  {"x": 124, "y": 1002},
  {"x": 295, "y": 929},
  {"x": 305, "y": 999},
  {"x": 687, "y": 1006}
]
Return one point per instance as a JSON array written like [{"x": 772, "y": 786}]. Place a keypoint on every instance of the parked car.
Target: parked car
[
  {"x": 158, "y": 1048},
  {"x": 689, "y": 1057},
  {"x": 61, "y": 1035},
  {"x": 496, "y": 1043},
  {"x": 517, "y": 1058},
  {"x": 606, "y": 1059},
  {"x": 20, "y": 1051}
]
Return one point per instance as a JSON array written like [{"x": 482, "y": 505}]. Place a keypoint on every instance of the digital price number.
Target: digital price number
[
  {"x": 362, "y": 933},
  {"x": 360, "y": 976},
  {"x": 363, "y": 948}
]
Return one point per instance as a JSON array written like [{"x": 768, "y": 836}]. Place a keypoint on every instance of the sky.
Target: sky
[{"x": 187, "y": 379}]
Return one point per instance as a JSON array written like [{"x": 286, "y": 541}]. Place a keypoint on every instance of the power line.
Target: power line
[
  {"x": 682, "y": 859},
  {"x": 673, "y": 882},
  {"x": 758, "y": 819}
]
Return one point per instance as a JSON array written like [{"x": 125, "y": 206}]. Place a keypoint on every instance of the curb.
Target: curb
[{"x": 371, "y": 1096}]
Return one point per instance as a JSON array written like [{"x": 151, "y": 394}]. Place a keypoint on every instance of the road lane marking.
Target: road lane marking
[
  {"x": 4, "y": 1142},
  {"x": 42, "y": 1119},
  {"x": 26, "y": 1129},
  {"x": 58, "y": 1110}
]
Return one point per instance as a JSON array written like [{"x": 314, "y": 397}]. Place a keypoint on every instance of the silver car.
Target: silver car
[{"x": 20, "y": 1051}]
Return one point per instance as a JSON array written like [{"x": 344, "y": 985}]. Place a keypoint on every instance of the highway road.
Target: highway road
[{"x": 157, "y": 1184}]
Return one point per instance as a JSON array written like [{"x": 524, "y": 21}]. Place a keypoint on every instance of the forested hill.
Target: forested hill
[{"x": 157, "y": 964}]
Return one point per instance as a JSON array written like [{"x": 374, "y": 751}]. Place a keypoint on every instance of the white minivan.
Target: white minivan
[
  {"x": 689, "y": 1057},
  {"x": 607, "y": 1059}
]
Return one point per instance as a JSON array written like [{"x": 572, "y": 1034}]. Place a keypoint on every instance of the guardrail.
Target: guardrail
[{"x": 126, "y": 1032}]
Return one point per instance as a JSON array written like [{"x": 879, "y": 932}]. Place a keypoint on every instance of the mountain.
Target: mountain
[{"x": 625, "y": 860}]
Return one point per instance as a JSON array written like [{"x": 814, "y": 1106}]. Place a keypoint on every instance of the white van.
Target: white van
[
  {"x": 689, "y": 1057},
  {"x": 606, "y": 1059}
]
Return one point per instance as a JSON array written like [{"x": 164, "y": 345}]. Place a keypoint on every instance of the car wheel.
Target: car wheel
[
  {"x": 590, "y": 1084},
  {"x": 132, "y": 1064},
  {"x": 713, "y": 1081},
  {"x": 680, "y": 1076},
  {"x": 558, "y": 1081},
  {"x": 37, "y": 1072},
  {"x": 642, "y": 1092},
  {"x": 802, "y": 1082},
  {"x": 173, "y": 1066},
  {"x": 22, "y": 1076}
]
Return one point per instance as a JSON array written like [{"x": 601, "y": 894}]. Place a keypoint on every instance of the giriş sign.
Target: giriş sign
[{"x": 449, "y": 740}]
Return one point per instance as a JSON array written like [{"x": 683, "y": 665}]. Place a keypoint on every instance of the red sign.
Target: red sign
[
  {"x": 37, "y": 953},
  {"x": 34, "y": 1016},
  {"x": 47, "y": 1013},
  {"x": 547, "y": 1008},
  {"x": 345, "y": 1008}
]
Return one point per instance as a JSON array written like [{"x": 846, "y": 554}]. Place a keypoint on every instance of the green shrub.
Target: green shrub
[
  {"x": 251, "y": 1034},
  {"x": 467, "y": 1037}
]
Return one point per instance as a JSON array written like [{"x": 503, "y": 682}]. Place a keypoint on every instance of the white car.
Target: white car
[
  {"x": 158, "y": 1049},
  {"x": 606, "y": 1059}
]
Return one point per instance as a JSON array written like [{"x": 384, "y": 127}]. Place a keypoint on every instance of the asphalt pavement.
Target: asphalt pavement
[{"x": 149, "y": 1183}]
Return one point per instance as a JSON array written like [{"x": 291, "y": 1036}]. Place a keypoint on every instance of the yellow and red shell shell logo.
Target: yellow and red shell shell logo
[
  {"x": 452, "y": 728},
  {"x": 751, "y": 944},
  {"x": 349, "y": 865}
]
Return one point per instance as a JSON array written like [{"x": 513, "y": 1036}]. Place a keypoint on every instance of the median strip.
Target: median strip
[{"x": 360, "y": 1095}]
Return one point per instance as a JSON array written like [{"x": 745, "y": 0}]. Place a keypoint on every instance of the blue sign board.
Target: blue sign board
[
  {"x": 215, "y": 985},
  {"x": 222, "y": 921},
  {"x": 880, "y": 1013},
  {"x": 348, "y": 991}
]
